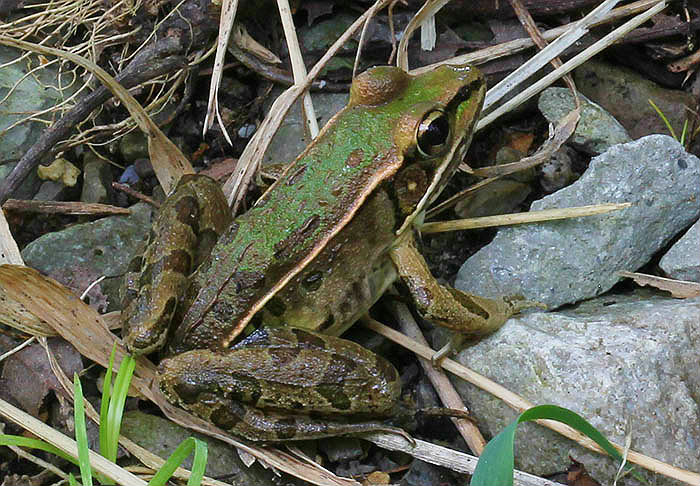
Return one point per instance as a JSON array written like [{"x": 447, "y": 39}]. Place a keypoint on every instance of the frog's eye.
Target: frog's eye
[{"x": 433, "y": 134}]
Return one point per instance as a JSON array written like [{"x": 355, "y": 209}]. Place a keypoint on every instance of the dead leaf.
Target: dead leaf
[
  {"x": 27, "y": 377},
  {"x": 680, "y": 289}
]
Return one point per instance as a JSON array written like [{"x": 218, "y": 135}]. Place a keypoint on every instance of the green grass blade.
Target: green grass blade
[
  {"x": 116, "y": 407},
  {"x": 72, "y": 481},
  {"x": 104, "y": 406},
  {"x": 496, "y": 463},
  {"x": 180, "y": 454},
  {"x": 81, "y": 432},
  {"x": 663, "y": 117},
  {"x": 19, "y": 441},
  {"x": 684, "y": 133}
]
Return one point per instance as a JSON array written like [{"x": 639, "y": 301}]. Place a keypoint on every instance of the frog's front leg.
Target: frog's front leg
[
  {"x": 284, "y": 384},
  {"x": 466, "y": 314}
]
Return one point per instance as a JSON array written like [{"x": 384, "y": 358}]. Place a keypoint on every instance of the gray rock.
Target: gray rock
[
  {"x": 97, "y": 177},
  {"x": 78, "y": 255},
  {"x": 565, "y": 261},
  {"x": 682, "y": 261},
  {"x": 626, "y": 94},
  {"x": 22, "y": 96},
  {"x": 162, "y": 436},
  {"x": 30, "y": 94},
  {"x": 558, "y": 171},
  {"x": 597, "y": 130},
  {"x": 134, "y": 146},
  {"x": 50, "y": 191},
  {"x": 290, "y": 139},
  {"x": 613, "y": 360}
]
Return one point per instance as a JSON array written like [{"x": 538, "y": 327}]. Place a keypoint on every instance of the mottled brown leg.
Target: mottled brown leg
[{"x": 466, "y": 314}]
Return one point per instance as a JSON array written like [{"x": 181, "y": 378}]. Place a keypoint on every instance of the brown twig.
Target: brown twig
[
  {"x": 75, "y": 208},
  {"x": 135, "y": 194}
]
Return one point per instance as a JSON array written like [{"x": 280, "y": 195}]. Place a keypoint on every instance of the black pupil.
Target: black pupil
[{"x": 437, "y": 132}]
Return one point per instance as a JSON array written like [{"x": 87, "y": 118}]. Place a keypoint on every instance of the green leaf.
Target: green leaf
[
  {"x": 199, "y": 463},
  {"x": 19, "y": 441},
  {"x": 496, "y": 463},
  {"x": 104, "y": 406},
  {"x": 81, "y": 432},
  {"x": 116, "y": 407}
]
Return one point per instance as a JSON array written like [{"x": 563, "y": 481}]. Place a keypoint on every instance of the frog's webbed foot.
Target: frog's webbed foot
[{"x": 466, "y": 314}]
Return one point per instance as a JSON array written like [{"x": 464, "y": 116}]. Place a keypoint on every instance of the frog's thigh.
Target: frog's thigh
[
  {"x": 292, "y": 372},
  {"x": 446, "y": 306}
]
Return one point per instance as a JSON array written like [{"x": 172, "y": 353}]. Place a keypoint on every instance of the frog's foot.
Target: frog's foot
[{"x": 464, "y": 313}]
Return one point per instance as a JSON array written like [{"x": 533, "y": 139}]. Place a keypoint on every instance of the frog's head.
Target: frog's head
[{"x": 430, "y": 119}]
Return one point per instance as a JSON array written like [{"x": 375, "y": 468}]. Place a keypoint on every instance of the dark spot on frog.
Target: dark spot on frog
[
  {"x": 682, "y": 164},
  {"x": 330, "y": 320},
  {"x": 296, "y": 175},
  {"x": 312, "y": 282},
  {"x": 177, "y": 261},
  {"x": 245, "y": 279},
  {"x": 335, "y": 395},
  {"x": 309, "y": 340},
  {"x": 284, "y": 248},
  {"x": 282, "y": 356},
  {"x": 187, "y": 211},
  {"x": 355, "y": 158},
  {"x": 223, "y": 312},
  {"x": 224, "y": 418},
  {"x": 186, "y": 391},
  {"x": 207, "y": 240},
  {"x": 337, "y": 191},
  {"x": 135, "y": 264},
  {"x": 244, "y": 389},
  {"x": 276, "y": 306}
]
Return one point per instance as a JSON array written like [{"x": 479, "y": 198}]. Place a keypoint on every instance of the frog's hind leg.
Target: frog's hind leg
[
  {"x": 466, "y": 314},
  {"x": 185, "y": 229},
  {"x": 284, "y": 384}
]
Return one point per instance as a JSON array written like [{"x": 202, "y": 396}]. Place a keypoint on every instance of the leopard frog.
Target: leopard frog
[{"x": 248, "y": 311}]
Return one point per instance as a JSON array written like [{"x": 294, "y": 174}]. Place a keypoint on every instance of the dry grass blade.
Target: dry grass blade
[
  {"x": 680, "y": 289},
  {"x": 449, "y": 458},
  {"x": 518, "y": 45},
  {"x": 522, "y": 218},
  {"x": 546, "y": 55},
  {"x": 444, "y": 388},
  {"x": 428, "y": 10},
  {"x": 298, "y": 67},
  {"x": 74, "y": 320},
  {"x": 520, "y": 404},
  {"x": 168, "y": 162},
  {"x": 571, "y": 64},
  {"x": 68, "y": 445},
  {"x": 228, "y": 14},
  {"x": 9, "y": 251}
]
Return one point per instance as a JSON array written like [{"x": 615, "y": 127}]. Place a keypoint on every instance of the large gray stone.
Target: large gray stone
[
  {"x": 682, "y": 261},
  {"x": 565, "y": 261},
  {"x": 78, "y": 255},
  {"x": 612, "y": 360}
]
